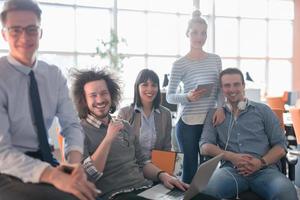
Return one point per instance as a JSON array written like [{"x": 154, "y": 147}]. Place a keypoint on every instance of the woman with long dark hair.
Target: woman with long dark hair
[{"x": 151, "y": 121}]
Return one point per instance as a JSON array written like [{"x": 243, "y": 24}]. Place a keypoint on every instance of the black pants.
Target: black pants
[{"x": 12, "y": 188}]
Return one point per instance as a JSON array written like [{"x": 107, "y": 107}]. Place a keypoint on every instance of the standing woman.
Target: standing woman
[
  {"x": 197, "y": 67},
  {"x": 151, "y": 121}
]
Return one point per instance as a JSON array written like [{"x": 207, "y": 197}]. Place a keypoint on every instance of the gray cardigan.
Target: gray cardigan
[{"x": 163, "y": 125}]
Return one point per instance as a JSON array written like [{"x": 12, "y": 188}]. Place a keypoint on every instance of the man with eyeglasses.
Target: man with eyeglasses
[{"x": 32, "y": 93}]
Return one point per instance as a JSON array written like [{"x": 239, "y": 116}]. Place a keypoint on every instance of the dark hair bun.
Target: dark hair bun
[{"x": 196, "y": 14}]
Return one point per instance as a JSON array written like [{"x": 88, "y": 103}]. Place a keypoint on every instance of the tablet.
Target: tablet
[{"x": 208, "y": 87}]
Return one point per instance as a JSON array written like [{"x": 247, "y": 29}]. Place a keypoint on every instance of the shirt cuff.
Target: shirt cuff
[
  {"x": 91, "y": 170},
  {"x": 36, "y": 173},
  {"x": 73, "y": 148}
]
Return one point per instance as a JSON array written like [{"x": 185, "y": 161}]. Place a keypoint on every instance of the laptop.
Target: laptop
[{"x": 198, "y": 184}]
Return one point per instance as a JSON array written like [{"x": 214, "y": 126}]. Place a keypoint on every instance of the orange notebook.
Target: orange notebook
[{"x": 168, "y": 161}]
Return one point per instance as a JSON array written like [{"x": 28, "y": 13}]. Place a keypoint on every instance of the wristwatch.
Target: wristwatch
[{"x": 263, "y": 162}]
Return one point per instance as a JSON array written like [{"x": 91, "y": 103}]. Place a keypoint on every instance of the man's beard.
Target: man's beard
[{"x": 100, "y": 117}]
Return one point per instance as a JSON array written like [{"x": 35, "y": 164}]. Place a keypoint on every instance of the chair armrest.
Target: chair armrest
[
  {"x": 291, "y": 159},
  {"x": 291, "y": 162}
]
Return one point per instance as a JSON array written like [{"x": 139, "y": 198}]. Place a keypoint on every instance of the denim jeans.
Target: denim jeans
[
  {"x": 268, "y": 183},
  {"x": 188, "y": 137}
]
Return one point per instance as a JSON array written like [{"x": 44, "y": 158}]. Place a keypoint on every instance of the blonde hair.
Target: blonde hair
[{"x": 196, "y": 18}]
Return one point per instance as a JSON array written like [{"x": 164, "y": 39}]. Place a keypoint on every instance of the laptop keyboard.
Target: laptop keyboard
[{"x": 175, "y": 194}]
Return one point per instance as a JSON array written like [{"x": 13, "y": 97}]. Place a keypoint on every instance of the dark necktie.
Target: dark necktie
[{"x": 39, "y": 121}]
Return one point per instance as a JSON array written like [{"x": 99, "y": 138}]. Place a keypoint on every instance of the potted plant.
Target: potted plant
[{"x": 109, "y": 50}]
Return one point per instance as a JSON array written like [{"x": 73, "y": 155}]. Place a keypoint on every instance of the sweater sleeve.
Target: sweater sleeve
[{"x": 175, "y": 78}]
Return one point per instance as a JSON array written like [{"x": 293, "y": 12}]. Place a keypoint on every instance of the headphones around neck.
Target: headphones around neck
[{"x": 241, "y": 105}]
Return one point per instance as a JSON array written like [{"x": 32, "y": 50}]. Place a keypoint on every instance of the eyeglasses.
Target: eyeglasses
[{"x": 16, "y": 31}]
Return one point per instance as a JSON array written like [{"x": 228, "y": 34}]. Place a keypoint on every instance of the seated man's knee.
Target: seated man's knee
[
  {"x": 280, "y": 188},
  {"x": 285, "y": 190},
  {"x": 222, "y": 185}
]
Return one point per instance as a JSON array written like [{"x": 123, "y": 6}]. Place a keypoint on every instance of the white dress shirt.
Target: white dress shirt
[{"x": 17, "y": 129}]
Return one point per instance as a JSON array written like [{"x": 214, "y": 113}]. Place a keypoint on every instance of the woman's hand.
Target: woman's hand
[
  {"x": 219, "y": 117},
  {"x": 171, "y": 182},
  {"x": 195, "y": 94}
]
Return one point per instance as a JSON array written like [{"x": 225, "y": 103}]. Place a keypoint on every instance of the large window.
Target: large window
[
  {"x": 256, "y": 36},
  {"x": 253, "y": 35}
]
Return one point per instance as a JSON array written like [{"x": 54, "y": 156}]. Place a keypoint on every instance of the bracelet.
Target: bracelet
[{"x": 158, "y": 174}]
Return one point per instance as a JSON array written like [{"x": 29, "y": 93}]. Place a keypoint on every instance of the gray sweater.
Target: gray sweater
[{"x": 123, "y": 168}]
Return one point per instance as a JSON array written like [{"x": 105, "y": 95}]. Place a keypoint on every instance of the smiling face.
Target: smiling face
[
  {"x": 197, "y": 35},
  {"x": 98, "y": 98},
  {"x": 233, "y": 88},
  {"x": 148, "y": 91},
  {"x": 23, "y": 47}
]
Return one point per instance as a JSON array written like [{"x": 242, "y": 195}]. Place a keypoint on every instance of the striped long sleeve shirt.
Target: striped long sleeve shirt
[{"x": 188, "y": 74}]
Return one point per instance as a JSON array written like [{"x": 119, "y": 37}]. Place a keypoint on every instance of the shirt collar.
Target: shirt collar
[
  {"x": 19, "y": 66},
  {"x": 91, "y": 119},
  {"x": 250, "y": 103},
  {"x": 140, "y": 110}
]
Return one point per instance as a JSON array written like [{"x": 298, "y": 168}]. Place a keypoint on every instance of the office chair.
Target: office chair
[
  {"x": 275, "y": 102},
  {"x": 295, "y": 114},
  {"x": 278, "y": 102},
  {"x": 285, "y": 96}
]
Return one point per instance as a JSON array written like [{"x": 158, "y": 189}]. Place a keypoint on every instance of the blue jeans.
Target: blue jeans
[
  {"x": 188, "y": 137},
  {"x": 268, "y": 183}
]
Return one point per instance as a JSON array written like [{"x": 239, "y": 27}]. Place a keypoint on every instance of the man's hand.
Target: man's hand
[
  {"x": 73, "y": 180},
  {"x": 114, "y": 127},
  {"x": 246, "y": 164},
  {"x": 250, "y": 166},
  {"x": 219, "y": 117},
  {"x": 171, "y": 182},
  {"x": 238, "y": 159}
]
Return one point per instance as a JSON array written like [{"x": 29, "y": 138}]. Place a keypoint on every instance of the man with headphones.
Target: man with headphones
[{"x": 252, "y": 142}]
